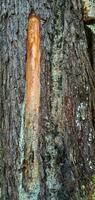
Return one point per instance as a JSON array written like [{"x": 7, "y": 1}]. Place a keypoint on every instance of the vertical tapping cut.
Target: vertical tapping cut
[{"x": 32, "y": 101}]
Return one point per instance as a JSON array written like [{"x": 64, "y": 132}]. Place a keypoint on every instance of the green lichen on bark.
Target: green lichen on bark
[
  {"x": 54, "y": 129},
  {"x": 92, "y": 27}
]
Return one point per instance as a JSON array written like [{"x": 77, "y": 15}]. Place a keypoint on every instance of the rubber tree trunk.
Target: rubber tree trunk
[{"x": 61, "y": 149}]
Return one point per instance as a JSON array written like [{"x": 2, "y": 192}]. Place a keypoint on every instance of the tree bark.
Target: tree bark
[{"x": 64, "y": 146}]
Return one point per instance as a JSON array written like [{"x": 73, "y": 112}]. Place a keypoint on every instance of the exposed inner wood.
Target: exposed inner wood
[
  {"x": 32, "y": 101},
  {"x": 33, "y": 66}
]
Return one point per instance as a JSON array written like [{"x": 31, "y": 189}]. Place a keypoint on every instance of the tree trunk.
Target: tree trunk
[{"x": 57, "y": 147}]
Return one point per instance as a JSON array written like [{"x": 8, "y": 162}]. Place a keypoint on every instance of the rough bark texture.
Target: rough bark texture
[{"x": 66, "y": 133}]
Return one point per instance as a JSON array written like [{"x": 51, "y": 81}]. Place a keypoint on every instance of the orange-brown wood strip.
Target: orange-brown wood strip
[
  {"x": 32, "y": 103},
  {"x": 33, "y": 65}
]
